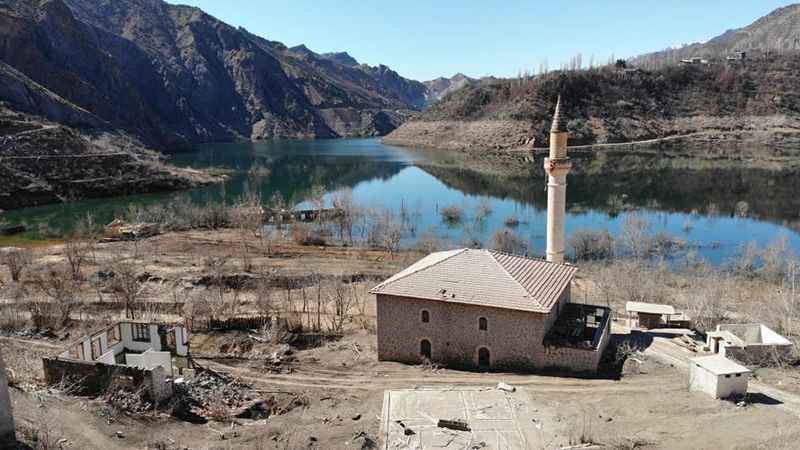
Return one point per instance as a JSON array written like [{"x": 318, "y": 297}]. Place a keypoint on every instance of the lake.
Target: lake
[{"x": 714, "y": 211}]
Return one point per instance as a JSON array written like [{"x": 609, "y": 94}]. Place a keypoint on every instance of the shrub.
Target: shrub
[
  {"x": 17, "y": 260},
  {"x": 304, "y": 234},
  {"x": 506, "y": 240},
  {"x": 592, "y": 245},
  {"x": 452, "y": 214},
  {"x": 511, "y": 221}
]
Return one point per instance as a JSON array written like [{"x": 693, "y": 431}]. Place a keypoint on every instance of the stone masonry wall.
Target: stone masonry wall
[
  {"x": 92, "y": 378},
  {"x": 514, "y": 338}
]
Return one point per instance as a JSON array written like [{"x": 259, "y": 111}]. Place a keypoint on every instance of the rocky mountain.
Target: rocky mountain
[
  {"x": 442, "y": 86},
  {"x": 778, "y": 31},
  {"x": 173, "y": 75},
  {"x": 53, "y": 151},
  {"x": 755, "y": 102}
]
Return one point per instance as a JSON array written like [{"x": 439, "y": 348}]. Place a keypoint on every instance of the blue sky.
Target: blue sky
[{"x": 427, "y": 39}]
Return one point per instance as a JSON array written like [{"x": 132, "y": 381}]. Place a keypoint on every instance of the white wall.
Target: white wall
[
  {"x": 701, "y": 380},
  {"x": 134, "y": 360},
  {"x": 733, "y": 385},
  {"x": 6, "y": 416},
  {"x": 107, "y": 358},
  {"x": 155, "y": 359},
  {"x": 717, "y": 386},
  {"x": 129, "y": 343}
]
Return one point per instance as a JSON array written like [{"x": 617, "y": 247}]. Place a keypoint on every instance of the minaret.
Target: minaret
[{"x": 557, "y": 167}]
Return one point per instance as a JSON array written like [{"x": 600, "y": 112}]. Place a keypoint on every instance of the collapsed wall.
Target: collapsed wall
[{"x": 6, "y": 416}]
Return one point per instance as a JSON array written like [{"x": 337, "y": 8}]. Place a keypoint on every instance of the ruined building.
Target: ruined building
[
  {"x": 138, "y": 353},
  {"x": 491, "y": 310}
]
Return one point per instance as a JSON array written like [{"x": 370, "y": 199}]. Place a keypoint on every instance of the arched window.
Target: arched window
[
  {"x": 425, "y": 348},
  {"x": 426, "y": 316},
  {"x": 484, "y": 359},
  {"x": 483, "y": 324}
]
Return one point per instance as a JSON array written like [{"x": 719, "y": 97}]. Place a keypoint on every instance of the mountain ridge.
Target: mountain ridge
[{"x": 141, "y": 65}]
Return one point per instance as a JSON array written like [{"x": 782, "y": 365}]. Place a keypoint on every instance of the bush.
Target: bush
[
  {"x": 592, "y": 245},
  {"x": 512, "y": 221},
  {"x": 506, "y": 240},
  {"x": 452, "y": 214},
  {"x": 304, "y": 234}
]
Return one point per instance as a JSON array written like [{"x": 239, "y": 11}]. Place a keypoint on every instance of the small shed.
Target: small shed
[
  {"x": 718, "y": 376},
  {"x": 648, "y": 315}
]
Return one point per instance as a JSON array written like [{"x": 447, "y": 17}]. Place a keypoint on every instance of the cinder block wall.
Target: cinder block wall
[
  {"x": 6, "y": 416},
  {"x": 514, "y": 338}
]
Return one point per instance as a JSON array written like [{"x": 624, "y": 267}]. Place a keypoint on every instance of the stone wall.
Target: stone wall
[
  {"x": 90, "y": 378},
  {"x": 6, "y": 416},
  {"x": 513, "y": 338},
  {"x": 578, "y": 359}
]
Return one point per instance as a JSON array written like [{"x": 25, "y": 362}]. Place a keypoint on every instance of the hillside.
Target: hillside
[
  {"x": 754, "y": 102},
  {"x": 53, "y": 151},
  {"x": 779, "y": 31},
  {"x": 173, "y": 76}
]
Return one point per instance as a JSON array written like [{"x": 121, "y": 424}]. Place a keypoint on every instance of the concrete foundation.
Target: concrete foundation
[
  {"x": 496, "y": 419},
  {"x": 7, "y": 434}
]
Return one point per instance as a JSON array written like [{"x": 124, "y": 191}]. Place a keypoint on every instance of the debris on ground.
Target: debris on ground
[
  {"x": 457, "y": 425},
  {"x": 505, "y": 387},
  {"x": 216, "y": 396}
]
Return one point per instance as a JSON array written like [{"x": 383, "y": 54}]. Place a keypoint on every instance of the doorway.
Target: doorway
[
  {"x": 484, "y": 359},
  {"x": 425, "y": 348}
]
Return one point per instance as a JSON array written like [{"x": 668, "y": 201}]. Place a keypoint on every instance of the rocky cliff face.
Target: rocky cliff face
[
  {"x": 53, "y": 151},
  {"x": 173, "y": 75}
]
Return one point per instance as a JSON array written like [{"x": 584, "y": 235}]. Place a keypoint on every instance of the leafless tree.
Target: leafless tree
[
  {"x": 59, "y": 290},
  {"x": 345, "y": 213},
  {"x": 125, "y": 284},
  {"x": 636, "y": 235},
  {"x": 77, "y": 251},
  {"x": 17, "y": 260}
]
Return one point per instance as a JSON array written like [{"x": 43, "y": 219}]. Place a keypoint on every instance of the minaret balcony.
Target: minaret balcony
[{"x": 557, "y": 167}]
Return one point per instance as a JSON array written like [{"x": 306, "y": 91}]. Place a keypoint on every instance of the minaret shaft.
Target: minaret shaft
[{"x": 557, "y": 167}]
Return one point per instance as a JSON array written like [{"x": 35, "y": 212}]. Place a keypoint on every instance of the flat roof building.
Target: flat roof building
[{"x": 718, "y": 376}]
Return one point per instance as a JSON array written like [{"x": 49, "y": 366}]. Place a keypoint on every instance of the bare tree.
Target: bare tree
[
  {"x": 636, "y": 235},
  {"x": 17, "y": 260},
  {"x": 77, "y": 251},
  {"x": 345, "y": 213},
  {"x": 59, "y": 289},
  {"x": 125, "y": 284}
]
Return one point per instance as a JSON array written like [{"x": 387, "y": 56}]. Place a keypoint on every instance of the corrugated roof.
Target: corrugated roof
[
  {"x": 649, "y": 308},
  {"x": 482, "y": 277},
  {"x": 719, "y": 365}
]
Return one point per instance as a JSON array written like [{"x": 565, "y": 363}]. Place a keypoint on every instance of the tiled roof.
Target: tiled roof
[{"x": 482, "y": 277}]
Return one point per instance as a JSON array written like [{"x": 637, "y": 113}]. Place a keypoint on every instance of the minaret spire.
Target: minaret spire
[{"x": 557, "y": 167}]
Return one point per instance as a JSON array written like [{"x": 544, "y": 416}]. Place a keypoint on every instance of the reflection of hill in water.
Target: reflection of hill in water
[
  {"x": 772, "y": 196},
  {"x": 294, "y": 176}
]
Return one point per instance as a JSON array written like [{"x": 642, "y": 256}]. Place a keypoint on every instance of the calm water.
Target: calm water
[{"x": 701, "y": 207}]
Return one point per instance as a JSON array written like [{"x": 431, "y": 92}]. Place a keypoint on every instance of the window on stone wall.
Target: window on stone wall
[
  {"x": 426, "y": 316},
  {"x": 141, "y": 332},
  {"x": 483, "y": 324}
]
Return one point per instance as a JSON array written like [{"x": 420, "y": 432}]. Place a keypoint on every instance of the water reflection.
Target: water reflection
[{"x": 716, "y": 209}]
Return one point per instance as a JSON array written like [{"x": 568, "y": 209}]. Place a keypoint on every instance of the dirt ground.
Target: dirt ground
[{"x": 343, "y": 384}]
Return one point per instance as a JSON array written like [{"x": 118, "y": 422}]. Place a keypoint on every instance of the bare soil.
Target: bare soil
[{"x": 342, "y": 384}]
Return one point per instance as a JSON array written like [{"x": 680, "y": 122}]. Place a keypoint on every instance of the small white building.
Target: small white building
[
  {"x": 6, "y": 417},
  {"x": 748, "y": 343},
  {"x": 718, "y": 376}
]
